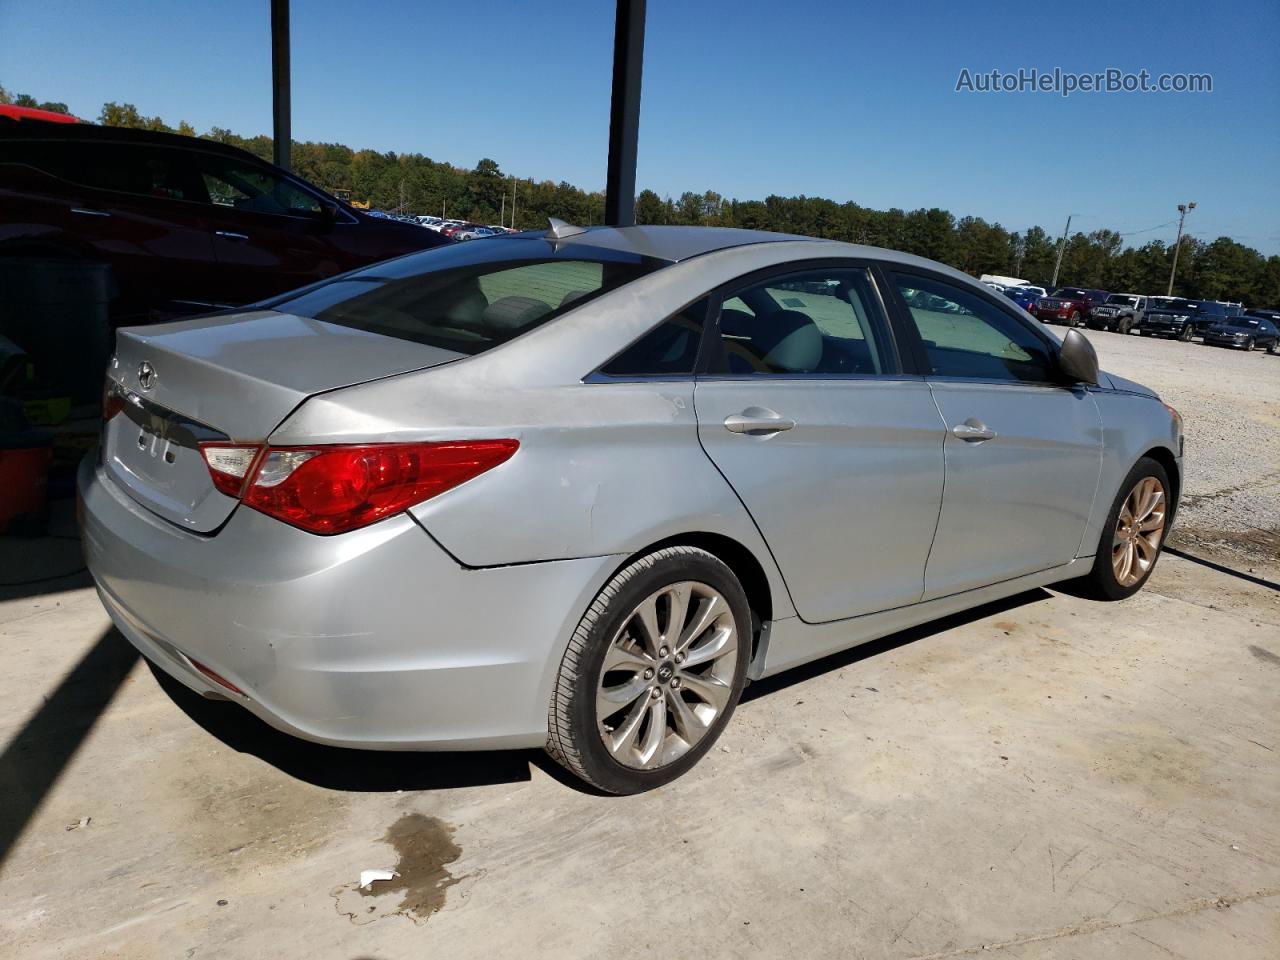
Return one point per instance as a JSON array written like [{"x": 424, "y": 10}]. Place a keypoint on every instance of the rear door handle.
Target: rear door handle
[
  {"x": 973, "y": 431},
  {"x": 83, "y": 211},
  {"x": 229, "y": 235},
  {"x": 757, "y": 420}
]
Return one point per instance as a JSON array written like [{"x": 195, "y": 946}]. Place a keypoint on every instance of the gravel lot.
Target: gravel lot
[{"x": 1230, "y": 404}]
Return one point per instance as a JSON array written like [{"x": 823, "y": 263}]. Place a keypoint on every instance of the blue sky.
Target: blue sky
[{"x": 854, "y": 101}]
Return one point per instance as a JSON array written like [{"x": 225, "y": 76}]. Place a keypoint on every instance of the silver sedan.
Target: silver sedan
[{"x": 576, "y": 489}]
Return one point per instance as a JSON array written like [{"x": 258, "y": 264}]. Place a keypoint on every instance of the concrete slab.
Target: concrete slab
[{"x": 1047, "y": 777}]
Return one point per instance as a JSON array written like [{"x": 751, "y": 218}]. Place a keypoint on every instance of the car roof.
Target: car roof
[
  {"x": 92, "y": 132},
  {"x": 669, "y": 243}
]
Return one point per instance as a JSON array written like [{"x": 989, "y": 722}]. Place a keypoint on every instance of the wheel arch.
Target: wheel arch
[
  {"x": 738, "y": 558},
  {"x": 1164, "y": 456}
]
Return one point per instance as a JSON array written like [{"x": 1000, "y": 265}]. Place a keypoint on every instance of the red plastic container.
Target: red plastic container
[{"x": 23, "y": 473}]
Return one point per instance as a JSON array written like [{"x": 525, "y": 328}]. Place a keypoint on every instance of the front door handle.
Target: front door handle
[
  {"x": 757, "y": 420},
  {"x": 973, "y": 431},
  {"x": 229, "y": 235}
]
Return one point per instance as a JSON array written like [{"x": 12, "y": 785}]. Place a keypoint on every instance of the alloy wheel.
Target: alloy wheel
[
  {"x": 667, "y": 676},
  {"x": 1139, "y": 530}
]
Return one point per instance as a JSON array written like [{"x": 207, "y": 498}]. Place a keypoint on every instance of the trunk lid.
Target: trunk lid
[{"x": 227, "y": 378}]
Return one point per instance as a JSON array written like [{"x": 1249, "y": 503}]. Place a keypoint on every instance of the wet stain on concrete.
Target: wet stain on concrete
[
  {"x": 1265, "y": 655},
  {"x": 425, "y": 848}
]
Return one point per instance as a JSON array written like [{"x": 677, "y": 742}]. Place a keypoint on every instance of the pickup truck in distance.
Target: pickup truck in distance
[{"x": 1069, "y": 305}]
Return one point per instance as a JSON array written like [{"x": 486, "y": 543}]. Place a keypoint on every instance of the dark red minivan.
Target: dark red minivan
[{"x": 183, "y": 224}]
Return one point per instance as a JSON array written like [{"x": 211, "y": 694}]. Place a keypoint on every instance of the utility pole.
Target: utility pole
[
  {"x": 513, "y": 203},
  {"x": 1182, "y": 215},
  {"x": 503, "y": 218},
  {"x": 1062, "y": 247}
]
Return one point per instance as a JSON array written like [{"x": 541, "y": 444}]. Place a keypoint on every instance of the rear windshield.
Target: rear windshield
[{"x": 469, "y": 297}]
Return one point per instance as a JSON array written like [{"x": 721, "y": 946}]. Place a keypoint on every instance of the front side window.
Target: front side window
[
  {"x": 964, "y": 336},
  {"x": 466, "y": 298},
  {"x": 252, "y": 189},
  {"x": 811, "y": 322}
]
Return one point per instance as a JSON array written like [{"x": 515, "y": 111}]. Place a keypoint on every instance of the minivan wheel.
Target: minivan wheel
[
  {"x": 653, "y": 672},
  {"x": 1186, "y": 333},
  {"x": 1133, "y": 535}
]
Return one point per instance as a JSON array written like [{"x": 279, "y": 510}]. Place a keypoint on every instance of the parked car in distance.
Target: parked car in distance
[
  {"x": 1120, "y": 312},
  {"x": 1244, "y": 333},
  {"x": 184, "y": 224},
  {"x": 574, "y": 490},
  {"x": 1024, "y": 297},
  {"x": 1168, "y": 317},
  {"x": 1069, "y": 305},
  {"x": 1185, "y": 319}
]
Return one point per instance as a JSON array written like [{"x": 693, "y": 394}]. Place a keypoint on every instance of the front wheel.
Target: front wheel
[
  {"x": 1186, "y": 334},
  {"x": 652, "y": 673},
  {"x": 1250, "y": 344},
  {"x": 1133, "y": 534},
  {"x": 1074, "y": 319},
  {"x": 1123, "y": 326}
]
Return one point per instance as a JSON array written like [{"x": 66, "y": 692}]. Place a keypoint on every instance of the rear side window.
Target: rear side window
[
  {"x": 143, "y": 171},
  {"x": 668, "y": 350},
  {"x": 466, "y": 298},
  {"x": 823, "y": 321},
  {"x": 253, "y": 189}
]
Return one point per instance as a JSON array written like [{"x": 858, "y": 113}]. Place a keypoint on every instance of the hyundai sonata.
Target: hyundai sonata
[{"x": 576, "y": 489}]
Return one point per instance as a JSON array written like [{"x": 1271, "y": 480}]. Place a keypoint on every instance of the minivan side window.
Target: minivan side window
[
  {"x": 253, "y": 189},
  {"x": 822, "y": 321},
  {"x": 964, "y": 336}
]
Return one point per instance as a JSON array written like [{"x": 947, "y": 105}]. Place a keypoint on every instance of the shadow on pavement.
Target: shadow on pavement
[
  {"x": 34, "y": 759},
  {"x": 369, "y": 771},
  {"x": 338, "y": 768},
  {"x": 872, "y": 648}
]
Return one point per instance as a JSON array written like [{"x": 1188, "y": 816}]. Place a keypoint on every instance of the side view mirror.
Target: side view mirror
[
  {"x": 328, "y": 212},
  {"x": 1077, "y": 359}
]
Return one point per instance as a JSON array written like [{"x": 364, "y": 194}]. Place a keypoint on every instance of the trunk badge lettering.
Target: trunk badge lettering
[{"x": 146, "y": 375}]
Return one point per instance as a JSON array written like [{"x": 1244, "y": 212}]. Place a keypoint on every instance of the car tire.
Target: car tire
[
  {"x": 651, "y": 679},
  {"x": 1186, "y": 333},
  {"x": 1250, "y": 345},
  {"x": 1123, "y": 326},
  {"x": 1074, "y": 319},
  {"x": 1127, "y": 553},
  {"x": 1273, "y": 347}
]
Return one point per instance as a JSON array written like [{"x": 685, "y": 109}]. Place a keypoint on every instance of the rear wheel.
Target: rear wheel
[
  {"x": 1133, "y": 534},
  {"x": 652, "y": 673},
  {"x": 1273, "y": 347}
]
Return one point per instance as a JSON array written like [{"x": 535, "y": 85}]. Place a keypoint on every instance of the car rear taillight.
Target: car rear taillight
[
  {"x": 112, "y": 400},
  {"x": 229, "y": 465},
  {"x": 329, "y": 490}
]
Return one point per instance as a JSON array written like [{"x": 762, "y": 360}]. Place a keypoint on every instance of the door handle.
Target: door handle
[
  {"x": 90, "y": 213},
  {"x": 229, "y": 235},
  {"x": 973, "y": 431},
  {"x": 757, "y": 420}
]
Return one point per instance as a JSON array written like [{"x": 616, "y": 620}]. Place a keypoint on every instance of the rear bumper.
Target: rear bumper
[{"x": 374, "y": 639}]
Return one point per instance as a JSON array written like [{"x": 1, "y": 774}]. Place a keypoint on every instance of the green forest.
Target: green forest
[{"x": 411, "y": 182}]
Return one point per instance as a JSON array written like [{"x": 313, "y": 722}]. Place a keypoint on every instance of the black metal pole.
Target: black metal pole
[
  {"x": 281, "y": 96},
  {"x": 624, "y": 114}
]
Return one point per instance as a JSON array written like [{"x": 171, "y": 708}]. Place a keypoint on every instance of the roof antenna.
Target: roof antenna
[{"x": 559, "y": 229}]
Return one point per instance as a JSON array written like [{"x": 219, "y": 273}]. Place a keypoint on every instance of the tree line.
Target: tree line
[{"x": 411, "y": 182}]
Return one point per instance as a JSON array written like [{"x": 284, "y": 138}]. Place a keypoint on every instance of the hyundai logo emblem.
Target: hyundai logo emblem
[{"x": 146, "y": 375}]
